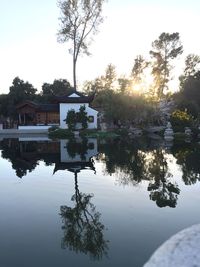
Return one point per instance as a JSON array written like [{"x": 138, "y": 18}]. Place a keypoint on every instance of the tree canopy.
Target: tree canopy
[
  {"x": 79, "y": 20},
  {"x": 164, "y": 49}
]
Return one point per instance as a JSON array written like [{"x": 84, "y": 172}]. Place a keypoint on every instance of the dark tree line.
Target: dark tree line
[
  {"x": 21, "y": 91},
  {"x": 125, "y": 100}
]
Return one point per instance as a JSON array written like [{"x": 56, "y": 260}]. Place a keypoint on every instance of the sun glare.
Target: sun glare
[{"x": 143, "y": 86}]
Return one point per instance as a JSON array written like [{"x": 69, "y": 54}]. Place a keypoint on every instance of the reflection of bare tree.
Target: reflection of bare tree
[
  {"x": 162, "y": 190},
  {"x": 83, "y": 231}
]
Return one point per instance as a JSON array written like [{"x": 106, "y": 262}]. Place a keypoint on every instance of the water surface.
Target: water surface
[{"x": 93, "y": 203}]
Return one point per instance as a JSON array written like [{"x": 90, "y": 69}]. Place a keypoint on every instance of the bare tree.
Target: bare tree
[{"x": 79, "y": 20}]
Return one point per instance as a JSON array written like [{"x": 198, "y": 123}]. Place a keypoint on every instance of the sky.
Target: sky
[{"x": 29, "y": 47}]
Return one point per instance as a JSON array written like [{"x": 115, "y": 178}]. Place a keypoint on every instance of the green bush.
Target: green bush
[
  {"x": 71, "y": 119},
  {"x": 53, "y": 128},
  {"x": 61, "y": 134},
  {"x": 180, "y": 119}
]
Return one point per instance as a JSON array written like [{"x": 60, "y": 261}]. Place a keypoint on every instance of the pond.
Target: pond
[{"x": 93, "y": 203}]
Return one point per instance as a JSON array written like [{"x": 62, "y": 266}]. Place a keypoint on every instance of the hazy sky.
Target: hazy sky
[{"x": 29, "y": 47}]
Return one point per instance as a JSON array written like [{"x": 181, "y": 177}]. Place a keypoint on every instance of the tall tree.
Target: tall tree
[
  {"x": 137, "y": 73},
  {"x": 79, "y": 20},
  {"x": 192, "y": 66},
  {"x": 139, "y": 66},
  {"x": 58, "y": 87},
  {"x": 20, "y": 90},
  {"x": 166, "y": 48},
  {"x": 94, "y": 86},
  {"x": 124, "y": 84},
  {"x": 110, "y": 77}
]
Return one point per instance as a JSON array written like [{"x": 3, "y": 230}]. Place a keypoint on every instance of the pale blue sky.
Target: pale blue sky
[{"x": 29, "y": 49}]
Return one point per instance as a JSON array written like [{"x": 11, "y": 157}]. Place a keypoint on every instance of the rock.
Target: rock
[
  {"x": 181, "y": 250},
  {"x": 155, "y": 136},
  {"x": 155, "y": 129},
  {"x": 188, "y": 131}
]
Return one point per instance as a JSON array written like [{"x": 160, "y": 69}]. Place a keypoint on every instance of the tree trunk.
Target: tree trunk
[{"x": 74, "y": 73}]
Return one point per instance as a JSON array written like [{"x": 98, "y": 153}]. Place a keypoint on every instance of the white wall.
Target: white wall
[{"x": 65, "y": 107}]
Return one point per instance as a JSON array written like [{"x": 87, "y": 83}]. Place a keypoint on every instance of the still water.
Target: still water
[{"x": 93, "y": 203}]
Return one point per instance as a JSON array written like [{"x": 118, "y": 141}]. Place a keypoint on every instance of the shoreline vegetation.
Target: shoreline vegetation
[{"x": 57, "y": 133}]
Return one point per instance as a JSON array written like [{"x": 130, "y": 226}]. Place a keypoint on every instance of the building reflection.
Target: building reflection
[
  {"x": 131, "y": 162},
  {"x": 83, "y": 231},
  {"x": 76, "y": 155},
  {"x": 71, "y": 155}
]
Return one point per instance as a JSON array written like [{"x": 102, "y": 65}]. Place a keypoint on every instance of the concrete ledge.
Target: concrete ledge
[
  {"x": 23, "y": 131},
  {"x": 181, "y": 250},
  {"x": 33, "y": 128}
]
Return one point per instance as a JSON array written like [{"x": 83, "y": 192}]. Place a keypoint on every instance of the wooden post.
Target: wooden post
[
  {"x": 46, "y": 118},
  {"x": 20, "y": 120}
]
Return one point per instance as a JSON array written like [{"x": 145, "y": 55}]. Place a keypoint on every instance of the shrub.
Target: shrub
[
  {"x": 71, "y": 119},
  {"x": 53, "y": 128},
  {"x": 77, "y": 117},
  {"x": 82, "y": 117},
  {"x": 180, "y": 119},
  {"x": 61, "y": 134}
]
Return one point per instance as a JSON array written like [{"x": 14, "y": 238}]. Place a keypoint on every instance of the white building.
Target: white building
[
  {"x": 42, "y": 116},
  {"x": 75, "y": 101}
]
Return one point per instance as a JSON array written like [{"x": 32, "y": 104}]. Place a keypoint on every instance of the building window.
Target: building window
[{"x": 91, "y": 119}]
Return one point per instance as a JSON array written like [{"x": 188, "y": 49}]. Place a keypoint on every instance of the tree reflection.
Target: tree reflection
[
  {"x": 124, "y": 159},
  {"x": 162, "y": 190},
  {"x": 133, "y": 162},
  {"x": 83, "y": 231},
  {"x": 188, "y": 157},
  {"x": 80, "y": 148},
  {"x": 12, "y": 150}
]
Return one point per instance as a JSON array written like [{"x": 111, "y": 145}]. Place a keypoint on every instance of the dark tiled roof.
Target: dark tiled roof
[
  {"x": 72, "y": 166},
  {"x": 39, "y": 107},
  {"x": 29, "y": 103},
  {"x": 47, "y": 107},
  {"x": 68, "y": 99}
]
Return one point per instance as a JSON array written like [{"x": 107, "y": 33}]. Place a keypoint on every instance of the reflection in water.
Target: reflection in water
[
  {"x": 130, "y": 161},
  {"x": 135, "y": 163},
  {"x": 162, "y": 190},
  {"x": 188, "y": 157},
  {"x": 14, "y": 152},
  {"x": 83, "y": 231}
]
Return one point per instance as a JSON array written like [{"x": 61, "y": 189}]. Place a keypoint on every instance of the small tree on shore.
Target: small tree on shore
[
  {"x": 71, "y": 119},
  {"x": 82, "y": 117},
  {"x": 77, "y": 117}
]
